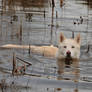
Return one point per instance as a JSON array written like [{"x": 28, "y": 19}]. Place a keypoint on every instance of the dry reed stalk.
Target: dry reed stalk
[
  {"x": 14, "y": 64},
  {"x": 53, "y": 3},
  {"x": 72, "y": 34}
]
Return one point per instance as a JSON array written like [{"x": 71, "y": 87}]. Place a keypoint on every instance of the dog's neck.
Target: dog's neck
[{"x": 68, "y": 61}]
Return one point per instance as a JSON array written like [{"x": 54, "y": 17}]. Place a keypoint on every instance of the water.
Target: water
[{"x": 36, "y": 22}]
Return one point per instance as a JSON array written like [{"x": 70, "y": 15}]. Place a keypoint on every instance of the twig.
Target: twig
[{"x": 24, "y": 61}]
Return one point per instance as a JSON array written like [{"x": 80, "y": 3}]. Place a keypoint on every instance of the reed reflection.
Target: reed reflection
[{"x": 28, "y": 3}]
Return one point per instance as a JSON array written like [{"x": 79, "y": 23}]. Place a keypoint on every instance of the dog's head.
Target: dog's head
[{"x": 69, "y": 48}]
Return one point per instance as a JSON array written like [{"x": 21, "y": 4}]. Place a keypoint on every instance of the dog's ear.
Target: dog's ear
[
  {"x": 78, "y": 39},
  {"x": 62, "y": 37}
]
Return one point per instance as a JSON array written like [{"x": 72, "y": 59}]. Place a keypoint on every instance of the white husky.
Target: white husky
[{"x": 68, "y": 48}]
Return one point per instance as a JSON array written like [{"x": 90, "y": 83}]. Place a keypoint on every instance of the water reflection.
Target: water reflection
[
  {"x": 87, "y": 2},
  {"x": 27, "y": 3},
  {"x": 71, "y": 67},
  {"x": 22, "y": 4}
]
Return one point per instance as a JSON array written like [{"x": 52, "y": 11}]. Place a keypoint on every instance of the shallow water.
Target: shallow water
[{"x": 35, "y": 22}]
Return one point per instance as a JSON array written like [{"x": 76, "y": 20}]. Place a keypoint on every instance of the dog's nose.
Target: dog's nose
[{"x": 68, "y": 52}]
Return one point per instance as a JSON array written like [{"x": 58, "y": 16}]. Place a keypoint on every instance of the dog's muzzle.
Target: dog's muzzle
[{"x": 68, "y": 54}]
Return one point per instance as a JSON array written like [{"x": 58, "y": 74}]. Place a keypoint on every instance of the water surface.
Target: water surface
[{"x": 36, "y": 22}]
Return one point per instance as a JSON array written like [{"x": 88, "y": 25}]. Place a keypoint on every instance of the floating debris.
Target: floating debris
[
  {"x": 29, "y": 17},
  {"x": 19, "y": 69},
  {"x": 14, "y": 18}
]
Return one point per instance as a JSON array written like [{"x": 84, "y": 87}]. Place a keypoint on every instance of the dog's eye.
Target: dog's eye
[
  {"x": 65, "y": 46},
  {"x": 73, "y": 46}
]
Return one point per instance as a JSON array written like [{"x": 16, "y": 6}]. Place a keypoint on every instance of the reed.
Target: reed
[
  {"x": 14, "y": 64},
  {"x": 20, "y": 31},
  {"x": 56, "y": 14},
  {"x": 72, "y": 34},
  {"x": 44, "y": 14},
  {"x": 29, "y": 50},
  {"x": 53, "y": 3},
  {"x": 88, "y": 48}
]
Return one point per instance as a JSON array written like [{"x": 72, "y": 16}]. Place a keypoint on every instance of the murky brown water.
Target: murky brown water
[{"x": 36, "y": 22}]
